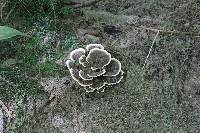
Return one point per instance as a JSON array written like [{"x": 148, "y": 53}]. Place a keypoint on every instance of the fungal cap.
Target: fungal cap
[
  {"x": 113, "y": 68},
  {"x": 92, "y": 46},
  {"x": 84, "y": 75},
  {"x": 77, "y": 53},
  {"x": 110, "y": 80},
  {"x": 88, "y": 90},
  {"x": 94, "y": 73},
  {"x": 82, "y": 60},
  {"x": 76, "y": 77},
  {"x": 97, "y": 84},
  {"x": 98, "y": 58},
  {"x": 70, "y": 64},
  {"x": 94, "y": 70}
]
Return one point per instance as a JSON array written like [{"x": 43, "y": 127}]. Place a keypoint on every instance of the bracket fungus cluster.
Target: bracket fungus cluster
[{"x": 93, "y": 67}]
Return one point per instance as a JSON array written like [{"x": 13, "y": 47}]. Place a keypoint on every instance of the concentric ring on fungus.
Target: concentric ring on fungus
[{"x": 93, "y": 67}]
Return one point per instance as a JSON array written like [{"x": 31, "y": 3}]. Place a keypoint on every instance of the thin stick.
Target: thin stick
[
  {"x": 78, "y": 122},
  {"x": 151, "y": 49},
  {"x": 6, "y": 110},
  {"x": 84, "y": 4},
  {"x": 8, "y": 15},
  {"x": 169, "y": 31},
  {"x": 1, "y": 121},
  {"x": 2, "y": 10}
]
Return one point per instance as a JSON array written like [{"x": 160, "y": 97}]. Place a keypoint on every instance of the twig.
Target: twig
[
  {"x": 2, "y": 10},
  {"x": 7, "y": 16},
  {"x": 1, "y": 121},
  {"x": 25, "y": 7},
  {"x": 46, "y": 105},
  {"x": 169, "y": 31},
  {"x": 7, "y": 111},
  {"x": 78, "y": 122},
  {"x": 84, "y": 4},
  {"x": 151, "y": 49}
]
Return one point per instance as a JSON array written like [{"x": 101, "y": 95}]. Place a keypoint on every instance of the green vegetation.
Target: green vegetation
[
  {"x": 36, "y": 85},
  {"x": 69, "y": 11},
  {"x": 26, "y": 60},
  {"x": 7, "y": 32}
]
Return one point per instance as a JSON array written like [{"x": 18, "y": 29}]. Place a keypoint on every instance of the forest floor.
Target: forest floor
[{"x": 156, "y": 41}]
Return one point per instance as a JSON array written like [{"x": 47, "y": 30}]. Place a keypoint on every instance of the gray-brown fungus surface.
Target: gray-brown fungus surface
[{"x": 93, "y": 67}]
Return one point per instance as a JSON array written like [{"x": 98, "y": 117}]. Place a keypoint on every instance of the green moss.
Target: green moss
[
  {"x": 69, "y": 11},
  {"x": 48, "y": 68},
  {"x": 16, "y": 83},
  {"x": 28, "y": 55},
  {"x": 70, "y": 41}
]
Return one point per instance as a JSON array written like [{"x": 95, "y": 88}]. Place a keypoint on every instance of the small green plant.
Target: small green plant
[{"x": 7, "y": 32}]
